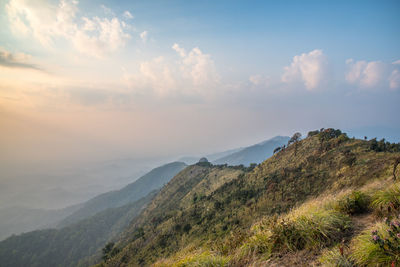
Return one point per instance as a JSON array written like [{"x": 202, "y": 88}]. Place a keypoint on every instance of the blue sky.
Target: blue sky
[{"x": 246, "y": 69}]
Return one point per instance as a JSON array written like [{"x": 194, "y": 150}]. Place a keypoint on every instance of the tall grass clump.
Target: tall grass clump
[
  {"x": 356, "y": 202},
  {"x": 387, "y": 202},
  {"x": 378, "y": 246},
  {"x": 314, "y": 225},
  {"x": 336, "y": 257},
  {"x": 316, "y": 229},
  {"x": 199, "y": 259}
]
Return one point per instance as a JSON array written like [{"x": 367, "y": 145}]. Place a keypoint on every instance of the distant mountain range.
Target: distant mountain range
[
  {"x": 244, "y": 155},
  {"x": 253, "y": 154},
  {"x": 15, "y": 220},
  {"x": 153, "y": 180},
  {"x": 76, "y": 245}
]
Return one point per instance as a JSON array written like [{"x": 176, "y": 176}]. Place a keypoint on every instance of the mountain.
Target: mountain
[
  {"x": 15, "y": 220},
  {"x": 321, "y": 200},
  {"x": 253, "y": 154},
  {"x": 300, "y": 206},
  {"x": 244, "y": 155},
  {"x": 72, "y": 245},
  {"x": 153, "y": 180},
  {"x": 211, "y": 157}
]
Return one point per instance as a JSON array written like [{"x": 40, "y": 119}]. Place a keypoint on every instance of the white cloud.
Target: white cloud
[
  {"x": 179, "y": 50},
  {"x": 127, "y": 15},
  {"x": 372, "y": 74},
  {"x": 193, "y": 74},
  {"x": 309, "y": 69},
  {"x": 394, "y": 79},
  {"x": 197, "y": 66},
  {"x": 260, "y": 80},
  {"x": 47, "y": 22},
  {"x": 144, "y": 36}
]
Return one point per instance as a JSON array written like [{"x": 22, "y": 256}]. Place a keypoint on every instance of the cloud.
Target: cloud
[
  {"x": 144, "y": 36},
  {"x": 196, "y": 65},
  {"x": 193, "y": 73},
  {"x": 48, "y": 23},
  {"x": 260, "y": 80},
  {"x": 154, "y": 75},
  {"x": 99, "y": 36},
  {"x": 307, "y": 68},
  {"x": 16, "y": 60},
  {"x": 179, "y": 50},
  {"x": 127, "y": 15},
  {"x": 373, "y": 74},
  {"x": 394, "y": 79}
]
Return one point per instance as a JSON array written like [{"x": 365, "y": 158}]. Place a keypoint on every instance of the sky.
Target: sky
[{"x": 95, "y": 80}]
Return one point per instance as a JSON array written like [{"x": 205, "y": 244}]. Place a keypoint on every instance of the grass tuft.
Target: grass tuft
[
  {"x": 199, "y": 259},
  {"x": 336, "y": 257},
  {"x": 313, "y": 225},
  {"x": 387, "y": 202}
]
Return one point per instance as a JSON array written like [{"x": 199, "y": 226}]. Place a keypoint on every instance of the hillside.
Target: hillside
[
  {"x": 76, "y": 245},
  {"x": 253, "y": 154},
  {"x": 153, "y": 180},
  {"x": 16, "y": 220},
  {"x": 223, "y": 216}
]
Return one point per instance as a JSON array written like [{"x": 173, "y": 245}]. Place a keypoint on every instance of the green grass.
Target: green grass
[
  {"x": 356, "y": 202},
  {"x": 336, "y": 257},
  {"x": 387, "y": 202},
  {"x": 316, "y": 229},
  {"x": 199, "y": 259},
  {"x": 314, "y": 225},
  {"x": 366, "y": 252}
]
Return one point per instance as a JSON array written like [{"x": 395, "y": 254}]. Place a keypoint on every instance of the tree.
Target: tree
[{"x": 295, "y": 138}]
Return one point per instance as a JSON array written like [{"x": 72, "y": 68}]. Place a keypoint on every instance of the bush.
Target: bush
[
  {"x": 379, "y": 246},
  {"x": 355, "y": 203},
  {"x": 387, "y": 202},
  {"x": 312, "y": 133}
]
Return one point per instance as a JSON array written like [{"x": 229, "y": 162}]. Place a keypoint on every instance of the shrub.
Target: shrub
[
  {"x": 387, "y": 202},
  {"x": 379, "y": 246},
  {"x": 354, "y": 203},
  {"x": 312, "y": 133},
  {"x": 343, "y": 138}
]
